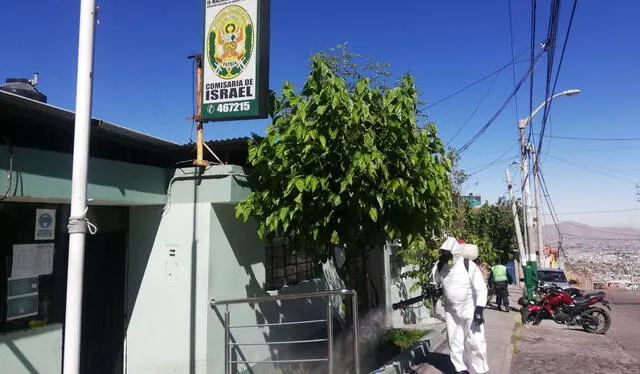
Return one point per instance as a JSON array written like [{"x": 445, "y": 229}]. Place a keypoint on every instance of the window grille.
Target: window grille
[{"x": 286, "y": 267}]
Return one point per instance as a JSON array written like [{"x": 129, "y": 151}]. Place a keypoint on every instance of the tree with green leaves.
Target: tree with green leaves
[
  {"x": 491, "y": 227},
  {"x": 347, "y": 166}
]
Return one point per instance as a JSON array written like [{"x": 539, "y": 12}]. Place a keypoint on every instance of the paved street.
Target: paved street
[
  {"x": 625, "y": 328},
  {"x": 555, "y": 348}
]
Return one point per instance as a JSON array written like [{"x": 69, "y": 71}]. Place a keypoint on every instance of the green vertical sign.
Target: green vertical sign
[{"x": 235, "y": 78}]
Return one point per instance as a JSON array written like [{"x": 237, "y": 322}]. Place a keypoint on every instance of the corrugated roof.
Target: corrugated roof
[
  {"x": 33, "y": 124},
  {"x": 242, "y": 141},
  {"x": 65, "y": 118}
]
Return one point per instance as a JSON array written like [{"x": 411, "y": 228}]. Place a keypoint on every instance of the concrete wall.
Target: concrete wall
[
  {"x": 32, "y": 351},
  {"x": 236, "y": 270},
  {"x": 401, "y": 289},
  {"x": 160, "y": 335},
  {"x": 190, "y": 251},
  {"x": 39, "y": 175},
  {"x": 398, "y": 288},
  {"x": 182, "y": 256}
]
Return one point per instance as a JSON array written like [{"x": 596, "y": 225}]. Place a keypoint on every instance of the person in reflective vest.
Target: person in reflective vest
[{"x": 499, "y": 279}]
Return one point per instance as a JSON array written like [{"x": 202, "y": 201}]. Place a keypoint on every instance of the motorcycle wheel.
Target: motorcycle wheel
[
  {"x": 603, "y": 321},
  {"x": 530, "y": 318}
]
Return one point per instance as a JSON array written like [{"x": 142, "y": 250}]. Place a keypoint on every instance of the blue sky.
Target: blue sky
[{"x": 144, "y": 81}]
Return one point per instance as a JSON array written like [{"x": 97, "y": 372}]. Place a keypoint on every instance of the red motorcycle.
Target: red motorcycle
[{"x": 563, "y": 308}]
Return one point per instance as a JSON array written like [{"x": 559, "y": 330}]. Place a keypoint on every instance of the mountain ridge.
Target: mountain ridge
[{"x": 576, "y": 230}]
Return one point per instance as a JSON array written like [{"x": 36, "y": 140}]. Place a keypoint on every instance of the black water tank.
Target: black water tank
[{"x": 22, "y": 87}]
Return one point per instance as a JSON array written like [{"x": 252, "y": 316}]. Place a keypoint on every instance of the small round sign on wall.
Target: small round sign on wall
[{"x": 45, "y": 224}]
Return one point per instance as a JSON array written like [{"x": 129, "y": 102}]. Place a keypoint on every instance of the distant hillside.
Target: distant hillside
[{"x": 575, "y": 230}]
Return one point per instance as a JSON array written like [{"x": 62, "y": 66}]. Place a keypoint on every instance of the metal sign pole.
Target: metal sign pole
[{"x": 199, "y": 161}]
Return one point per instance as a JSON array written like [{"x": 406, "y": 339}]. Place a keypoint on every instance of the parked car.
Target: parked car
[{"x": 556, "y": 276}]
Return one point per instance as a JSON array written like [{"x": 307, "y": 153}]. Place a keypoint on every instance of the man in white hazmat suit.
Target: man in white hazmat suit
[{"x": 464, "y": 299}]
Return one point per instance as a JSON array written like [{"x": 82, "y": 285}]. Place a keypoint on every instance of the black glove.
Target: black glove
[
  {"x": 477, "y": 316},
  {"x": 439, "y": 292}
]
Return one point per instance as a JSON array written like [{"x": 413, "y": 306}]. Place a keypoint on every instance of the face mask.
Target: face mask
[{"x": 446, "y": 257}]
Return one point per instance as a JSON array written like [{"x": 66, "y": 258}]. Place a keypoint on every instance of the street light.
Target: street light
[
  {"x": 524, "y": 122},
  {"x": 531, "y": 267}
]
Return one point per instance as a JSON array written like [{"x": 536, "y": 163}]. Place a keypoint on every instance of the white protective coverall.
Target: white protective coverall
[{"x": 463, "y": 291}]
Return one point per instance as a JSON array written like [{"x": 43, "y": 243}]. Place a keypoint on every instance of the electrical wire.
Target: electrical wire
[
  {"x": 591, "y": 169},
  {"x": 595, "y": 139},
  {"x": 545, "y": 154},
  {"x": 598, "y": 238},
  {"x": 475, "y": 137},
  {"x": 513, "y": 66},
  {"x": 554, "y": 216},
  {"x": 513, "y": 61},
  {"x": 599, "y": 211},
  {"x": 475, "y": 110},
  {"x": 547, "y": 195},
  {"x": 608, "y": 149},
  {"x": 550, "y": 45},
  {"x": 533, "y": 42},
  {"x": 548, "y": 106},
  {"x": 486, "y": 166}
]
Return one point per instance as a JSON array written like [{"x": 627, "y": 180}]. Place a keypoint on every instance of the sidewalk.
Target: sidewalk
[{"x": 499, "y": 327}]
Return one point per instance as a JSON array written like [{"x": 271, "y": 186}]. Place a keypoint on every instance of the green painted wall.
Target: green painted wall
[
  {"x": 236, "y": 270},
  {"x": 32, "y": 351},
  {"x": 180, "y": 256},
  {"x": 45, "y": 175},
  {"x": 186, "y": 253}
]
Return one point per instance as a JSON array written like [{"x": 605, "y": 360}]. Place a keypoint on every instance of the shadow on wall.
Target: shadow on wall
[
  {"x": 250, "y": 262},
  {"x": 247, "y": 256},
  {"x": 28, "y": 366},
  {"x": 32, "y": 351}
]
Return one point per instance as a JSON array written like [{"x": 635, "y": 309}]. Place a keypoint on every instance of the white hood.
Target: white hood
[
  {"x": 452, "y": 245},
  {"x": 459, "y": 248}
]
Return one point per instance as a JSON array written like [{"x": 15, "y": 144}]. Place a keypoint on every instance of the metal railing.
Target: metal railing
[{"x": 229, "y": 345}]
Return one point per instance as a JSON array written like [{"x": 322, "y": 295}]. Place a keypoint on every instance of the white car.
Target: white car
[{"x": 555, "y": 276}]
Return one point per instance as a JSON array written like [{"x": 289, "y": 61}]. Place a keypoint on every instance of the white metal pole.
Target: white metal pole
[
  {"x": 516, "y": 221},
  {"x": 77, "y": 219}
]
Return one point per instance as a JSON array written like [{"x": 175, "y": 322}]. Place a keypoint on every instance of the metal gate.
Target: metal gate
[{"x": 230, "y": 345}]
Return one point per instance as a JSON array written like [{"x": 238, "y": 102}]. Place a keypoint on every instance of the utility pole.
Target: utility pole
[
  {"x": 530, "y": 268},
  {"x": 78, "y": 219},
  {"x": 516, "y": 221},
  {"x": 539, "y": 221}
]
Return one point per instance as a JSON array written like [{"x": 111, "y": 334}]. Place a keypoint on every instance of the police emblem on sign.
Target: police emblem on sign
[{"x": 230, "y": 42}]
